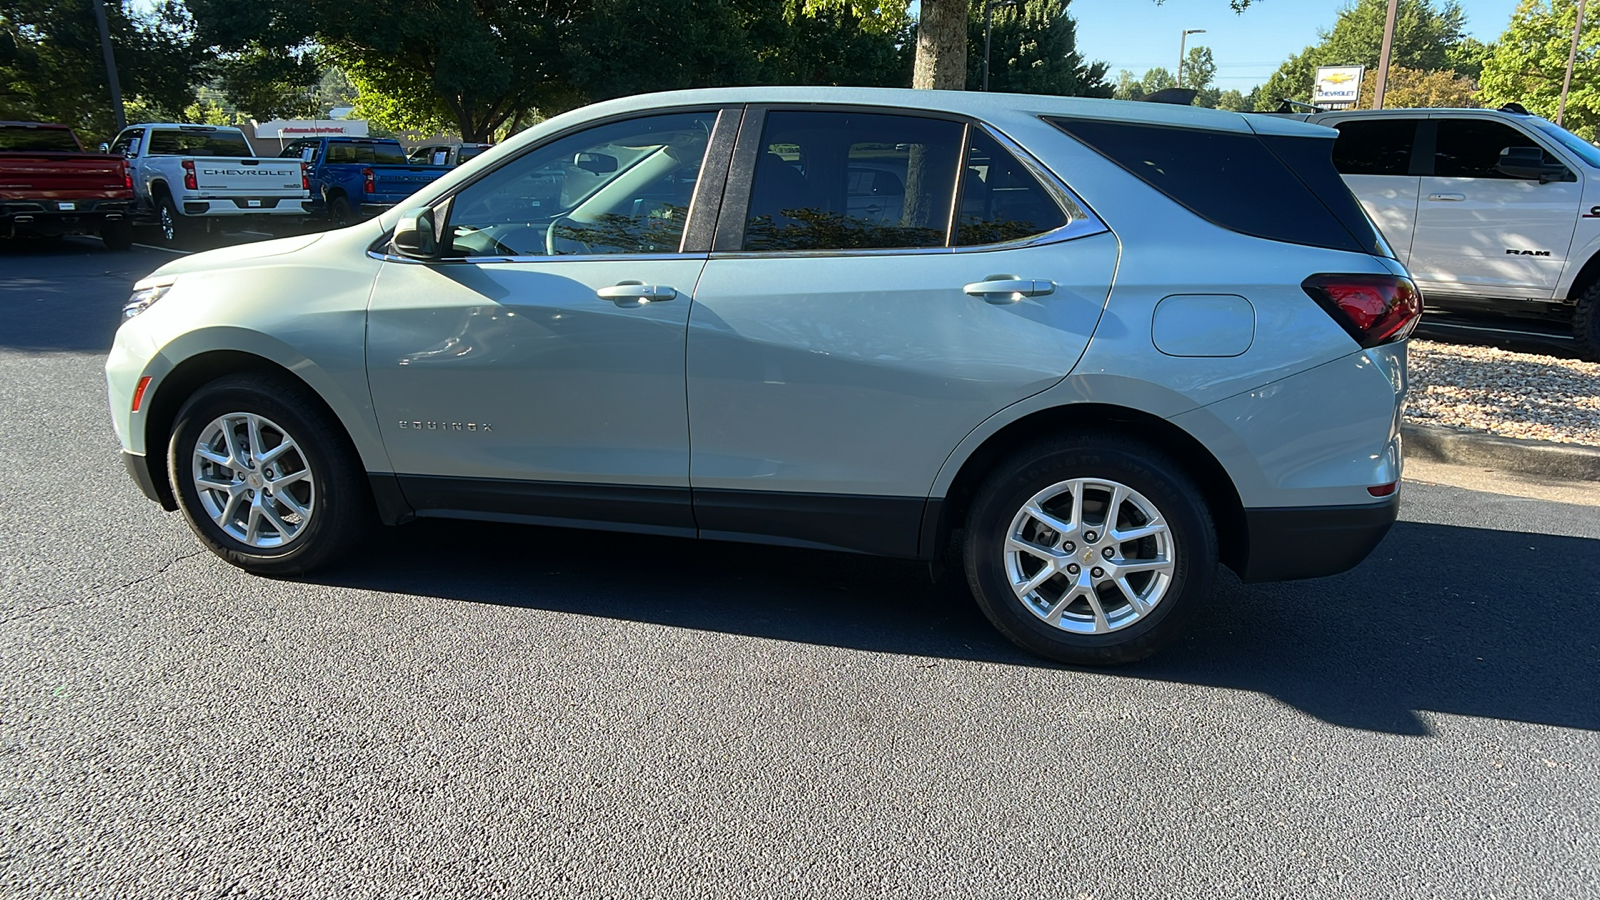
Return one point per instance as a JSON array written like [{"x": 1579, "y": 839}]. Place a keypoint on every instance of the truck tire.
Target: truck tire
[
  {"x": 116, "y": 234},
  {"x": 1586, "y": 324},
  {"x": 339, "y": 212},
  {"x": 169, "y": 222}
]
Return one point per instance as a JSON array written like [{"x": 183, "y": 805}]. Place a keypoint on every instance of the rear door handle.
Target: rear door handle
[
  {"x": 636, "y": 293},
  {"x": 1009, "y": 288},
  {"x": 1447, "y": 196}
]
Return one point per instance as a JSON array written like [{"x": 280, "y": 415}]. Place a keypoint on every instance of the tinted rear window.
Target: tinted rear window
[
  {"x": 1278, "y": 188},
  {"x": 1374, "y": 146},
  {"x": 353, "y": 152},
  {"x": 50, "y": 140},
  {"x": 198, "y": 143}
]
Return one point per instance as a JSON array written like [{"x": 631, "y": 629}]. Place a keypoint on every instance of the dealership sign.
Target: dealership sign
[
  {"x": 1338, "y": 87},
  {"x": 293, "y": 129}
]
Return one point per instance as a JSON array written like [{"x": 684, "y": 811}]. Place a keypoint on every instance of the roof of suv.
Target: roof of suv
[
  {"x": 973, "y": 103},
  {"x": 1413, "y": 112}
]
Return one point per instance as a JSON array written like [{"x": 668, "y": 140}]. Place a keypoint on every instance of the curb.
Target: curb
[{"x": 1463, "y": 446}]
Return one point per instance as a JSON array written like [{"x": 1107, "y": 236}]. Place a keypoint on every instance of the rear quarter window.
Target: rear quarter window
[{"x": 1273, "y": 187}]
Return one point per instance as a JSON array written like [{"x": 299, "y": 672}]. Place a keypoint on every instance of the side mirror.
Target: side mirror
[
  {"x": 597, "y": 163},
  {"x": 415, "y": 236},
  {"x": 1528, "y": 162},
  {"x": 105, "y": 147}
]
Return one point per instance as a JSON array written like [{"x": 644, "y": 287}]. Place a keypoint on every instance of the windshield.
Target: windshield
[
  {"x": 52, "y": 140},
  {"x": 1588, "y": 152},
  {"x": 171, "y": 142}
]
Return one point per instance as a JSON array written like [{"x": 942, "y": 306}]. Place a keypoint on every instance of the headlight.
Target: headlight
[{"x": 143, "y": 299}]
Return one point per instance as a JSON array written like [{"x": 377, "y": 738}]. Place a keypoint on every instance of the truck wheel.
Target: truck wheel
[
  {"x": 265, "y": 477},
  {"x": 339, "y": 212},
  {"x": 1586, "y": 324},
  {"x": 116, "y": 234},
  {"x": 169, "y": 222},
  {"x": 1094, "y": 549}
]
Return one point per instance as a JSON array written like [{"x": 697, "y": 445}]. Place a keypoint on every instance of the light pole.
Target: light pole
[
  {"x": 1383, "y": 57},
  {"x": 111, "y": 65},
  {"x": 1182, "y": 42},
  {"x": 988, "y": 27},
  {"x": 1572, "y": 56}
]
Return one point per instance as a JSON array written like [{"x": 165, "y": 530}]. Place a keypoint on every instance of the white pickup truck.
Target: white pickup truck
[
  {"x": 1490, "y": 209},
  {"x": 192, "y": 177}
]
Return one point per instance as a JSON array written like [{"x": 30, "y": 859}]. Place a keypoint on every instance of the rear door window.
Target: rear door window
[
  {"x": 1470, "y": 148},
  {"x": 1375, "y": 146},
  {"x": 831, "y": 180},
  {"x": 1000, "y": 199}
]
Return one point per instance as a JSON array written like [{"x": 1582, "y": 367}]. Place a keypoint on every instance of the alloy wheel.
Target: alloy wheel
[
  {"x": 1089, "y": 555},
  {"x": 253, "y": 480}
]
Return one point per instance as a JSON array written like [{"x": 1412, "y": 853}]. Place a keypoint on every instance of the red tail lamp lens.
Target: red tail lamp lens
[
  {"x": 138, "y": 392},
  {"x": 367, "y": 179},
  {"x": 189, "y": 181},
  {"x": 1383, "y": 490},
  {"x": 305, "y": 181},
  {"x": 1374, "y": 309}
]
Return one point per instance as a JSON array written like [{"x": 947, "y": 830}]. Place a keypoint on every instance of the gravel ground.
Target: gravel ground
[{"x": 1518, "y": 395}]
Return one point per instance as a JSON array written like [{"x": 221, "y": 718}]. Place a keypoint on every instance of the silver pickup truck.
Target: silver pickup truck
[{"x": 192, "y": 177}]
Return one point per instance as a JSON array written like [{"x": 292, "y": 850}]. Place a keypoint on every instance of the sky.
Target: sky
[{"x": 1139, "y": 34}]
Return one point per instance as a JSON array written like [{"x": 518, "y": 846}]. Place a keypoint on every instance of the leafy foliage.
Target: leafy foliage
[
  {"x": 52, "y": 68},
  {"x": 1428, "y": 36},
  {"x": 1034, "y": 51},
  {"x": 1410, "y": 88},
  {"x": 1528, "y": 62}
]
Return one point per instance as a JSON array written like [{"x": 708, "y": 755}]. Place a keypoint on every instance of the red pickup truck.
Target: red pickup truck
[{"x": 49, "y": 186}]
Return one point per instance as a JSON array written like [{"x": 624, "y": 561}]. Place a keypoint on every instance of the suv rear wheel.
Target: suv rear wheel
[
  {"x": 1090, "y": 550},
  {"x": 265, "y": 478}
]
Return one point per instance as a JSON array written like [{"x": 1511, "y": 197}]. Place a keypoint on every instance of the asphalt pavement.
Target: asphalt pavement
[{"x": 468, "y": 710}]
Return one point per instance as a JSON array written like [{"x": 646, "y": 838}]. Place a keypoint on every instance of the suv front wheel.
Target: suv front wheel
[
  {"x": 1090, "y": 550},
  {"x": 265, "y": 478}
]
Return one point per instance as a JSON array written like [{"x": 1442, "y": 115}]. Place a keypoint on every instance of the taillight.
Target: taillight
[
  {"x": 367, "y": 181},
  {"x": 189, "y": 181},
  {"x": 127, "y": 177},
  {"x": 1374, "y": 309},
  {"x": 305, "y": 182}
]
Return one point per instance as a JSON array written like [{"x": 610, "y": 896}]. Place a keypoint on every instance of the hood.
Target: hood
[{"x": 227, "y": 257}]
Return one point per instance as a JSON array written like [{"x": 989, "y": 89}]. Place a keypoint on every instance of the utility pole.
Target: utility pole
[
  {"x": 1383, "y": 55},
  {"x": 1572, "y": 57},
  {"x": 1182, "y": 43},
  {"x": 111, "y": 64}
]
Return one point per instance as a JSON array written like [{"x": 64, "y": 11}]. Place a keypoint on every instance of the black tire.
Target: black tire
[
  {"x": 341, "y": 510},
  {"x": 339, "y": 212},
  {"x": 170, "y": 225},
  {"x": 1586, "y": 324},
  {"x": 116, "y": 234},
  {"x": 1190, "y": 544}
]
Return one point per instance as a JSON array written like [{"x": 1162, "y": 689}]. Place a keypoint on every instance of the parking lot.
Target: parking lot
[{"x": 472, "y": 710}]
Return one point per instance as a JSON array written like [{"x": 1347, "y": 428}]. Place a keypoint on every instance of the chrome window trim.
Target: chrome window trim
[
  {"x": 1081, "y": 220},
  {"x": 572, "y": 257}
]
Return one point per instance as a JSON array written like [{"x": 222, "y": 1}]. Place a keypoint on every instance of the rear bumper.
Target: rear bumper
[
  {"x": 275, "y": 207},
  {"x": 1312, "y": 541},
  {"x": 85, "y": 216}
]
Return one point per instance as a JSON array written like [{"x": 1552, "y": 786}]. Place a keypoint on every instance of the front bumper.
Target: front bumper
[
  {"x": 138, "y": 467},
  {"x": 1312, "y": 541}
]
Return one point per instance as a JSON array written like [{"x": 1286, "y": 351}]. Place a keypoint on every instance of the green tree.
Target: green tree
[
  {"x": 1409, "y": 88},
  {"x": 1157, "y": 79},
  {"x": 52, "y": 67},
  {"x": 1034, "y": 51},
  {"x": 1128, "y": 87},
  {"x": 1199, "y": 68},
  {"x": 1427, "y": 36},
  {"x": 1528, "y": 62},
  {"x": 1233, "y": 100}
]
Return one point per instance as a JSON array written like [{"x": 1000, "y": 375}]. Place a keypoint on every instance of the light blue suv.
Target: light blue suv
[{"x": 1092, "y": 349}]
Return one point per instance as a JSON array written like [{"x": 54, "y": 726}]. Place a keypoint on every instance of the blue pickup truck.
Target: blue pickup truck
[{"x": 353, "y": 178}]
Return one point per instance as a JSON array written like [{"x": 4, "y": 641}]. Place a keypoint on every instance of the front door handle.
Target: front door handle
[
  {"x": 1009, "y": 288},
  {"x": 636, "y": 293},
  {"x": 1447, "y": 196}
]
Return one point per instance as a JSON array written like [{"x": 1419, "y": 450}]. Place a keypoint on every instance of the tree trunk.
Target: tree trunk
[{"x": 941, "y": 46}]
